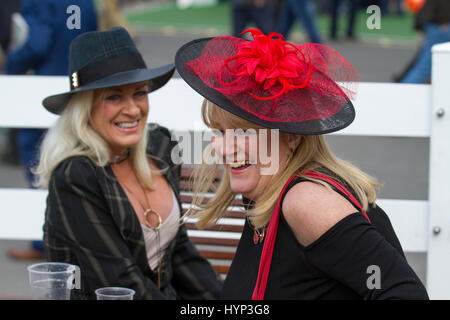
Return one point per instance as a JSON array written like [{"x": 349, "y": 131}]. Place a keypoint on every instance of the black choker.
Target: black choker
[{"x": 120, "y": 158}]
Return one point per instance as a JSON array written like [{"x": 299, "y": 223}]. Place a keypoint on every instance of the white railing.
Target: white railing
[{"x": 390, "y": 110}]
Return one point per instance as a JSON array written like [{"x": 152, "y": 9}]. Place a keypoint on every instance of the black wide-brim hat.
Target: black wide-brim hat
[
  {"x": 296, "y": 88},
  {"x": 102, "y": 59}
]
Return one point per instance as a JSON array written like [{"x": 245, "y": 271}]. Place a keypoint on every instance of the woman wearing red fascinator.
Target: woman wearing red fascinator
[{"x": 313, "y": 229}]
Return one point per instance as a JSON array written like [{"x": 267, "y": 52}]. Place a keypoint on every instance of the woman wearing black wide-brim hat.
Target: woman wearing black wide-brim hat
[
  {"x": 313, "y": 229},
  {"x": 113, "y": 206}
]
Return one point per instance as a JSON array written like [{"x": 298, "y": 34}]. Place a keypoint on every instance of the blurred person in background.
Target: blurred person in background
[
  {"x": 302, "y": 11},
  {"x": 399, "y": 7},
  {"x": 353, "y": 6},
  {"x": 386, "y": 5},
  {"x": 433, "y": 19},
  {"x": 7, "y": 8},
  {"x": 44, "y": 53},
  {"x": 9, "y": 153},
  {"x": 260, "y": 12},
  {"x": 277, "y": 10},
  {"x": 110, "y": 15}
]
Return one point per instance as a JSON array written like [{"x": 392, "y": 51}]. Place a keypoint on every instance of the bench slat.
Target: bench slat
[
  {"x": 221, "y": 269},
  {"x": 215, "y": 241},
  {"x": 216, "y": 227},
  {"x": 222, "y": 255},
  {"x": 187, "y": 198}
]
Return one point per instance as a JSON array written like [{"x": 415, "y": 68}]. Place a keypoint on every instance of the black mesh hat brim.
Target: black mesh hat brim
[
  {"x": 192, "y": 50},
  {"x": 157, "y": 78}
]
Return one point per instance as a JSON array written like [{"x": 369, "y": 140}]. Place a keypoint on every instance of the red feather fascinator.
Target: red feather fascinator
[{"x": 273, "y": 81}]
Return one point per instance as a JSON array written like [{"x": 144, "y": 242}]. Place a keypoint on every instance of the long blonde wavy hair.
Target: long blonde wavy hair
[
  {"x": 72, "y": 135},
  {"x": 312, "y": 153}
]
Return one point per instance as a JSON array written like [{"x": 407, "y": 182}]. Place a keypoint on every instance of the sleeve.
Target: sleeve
[
  {"x": 162, "y": 145},
  {"x": 354, "y": 253},
  {"x": 78, "y": 217},
  {"x": 193, "y": 276},
  {"x": 39, "y": 18}
]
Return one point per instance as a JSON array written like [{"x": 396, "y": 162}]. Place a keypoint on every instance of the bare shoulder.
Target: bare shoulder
[{"x": 311, "y": 209}]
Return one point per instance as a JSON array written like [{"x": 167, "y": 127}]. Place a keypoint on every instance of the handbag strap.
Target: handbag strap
[{"x": 269, "y": 242}]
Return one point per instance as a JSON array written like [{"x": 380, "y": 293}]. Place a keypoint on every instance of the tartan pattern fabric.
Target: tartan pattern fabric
[{"x": 90, "y": 222}]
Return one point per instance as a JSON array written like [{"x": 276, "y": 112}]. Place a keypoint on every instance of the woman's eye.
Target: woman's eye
[
  {"x": 113, "y": 98},
  {"x": 142, "y": 93}
]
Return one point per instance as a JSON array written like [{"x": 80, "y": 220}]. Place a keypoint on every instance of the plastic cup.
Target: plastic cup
[
  {"x": 114, "y": 293},
  {"x": 51, "y": 280}
]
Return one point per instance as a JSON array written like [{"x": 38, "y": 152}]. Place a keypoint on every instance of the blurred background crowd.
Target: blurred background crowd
[{"x": 34, "y": 39}]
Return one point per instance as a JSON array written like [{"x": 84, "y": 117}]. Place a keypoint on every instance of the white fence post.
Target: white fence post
[{"x": 438, "y": 264}]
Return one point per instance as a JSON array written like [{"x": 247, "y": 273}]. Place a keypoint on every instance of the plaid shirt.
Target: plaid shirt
[{"x": 90, "y": 222}]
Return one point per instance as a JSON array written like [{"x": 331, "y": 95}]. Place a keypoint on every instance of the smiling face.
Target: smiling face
[
  {"x": 119, "y": 115},
  {"x": 244, "y": 162}
]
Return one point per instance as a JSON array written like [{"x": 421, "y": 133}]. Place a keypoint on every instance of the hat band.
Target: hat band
[{"x": 106, "y": 67}]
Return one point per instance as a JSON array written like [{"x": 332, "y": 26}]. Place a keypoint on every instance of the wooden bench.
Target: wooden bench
[{"x": 216, "y": 243}]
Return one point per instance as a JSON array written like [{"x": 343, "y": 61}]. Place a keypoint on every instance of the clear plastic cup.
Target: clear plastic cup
[
  {"x": 51, "y": 280},
  {"x": 114, "y": 293}
]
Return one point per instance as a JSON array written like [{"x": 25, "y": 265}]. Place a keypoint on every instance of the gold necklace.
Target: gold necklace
[{"x": 147, "y": 212}]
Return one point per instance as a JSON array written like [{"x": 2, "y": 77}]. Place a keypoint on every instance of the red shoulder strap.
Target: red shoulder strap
[{"x": 269, "y": 242}]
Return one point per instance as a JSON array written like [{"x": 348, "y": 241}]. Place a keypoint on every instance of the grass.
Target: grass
[
  {"x": 191, "y": 18},
  {"x": 219, "y": 18}
]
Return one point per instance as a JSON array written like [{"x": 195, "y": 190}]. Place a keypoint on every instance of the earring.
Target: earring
[{"x": 292, "y": 150}]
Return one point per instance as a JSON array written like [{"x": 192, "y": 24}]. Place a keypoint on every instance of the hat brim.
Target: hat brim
[
  {"x": 158, "y": 77},
  {"x": 193, "y": 50}
]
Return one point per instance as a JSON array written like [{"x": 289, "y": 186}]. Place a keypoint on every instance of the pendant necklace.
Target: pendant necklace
[
  {"x": 148, "y": 212},
  {"x": 258, "y": 236}
]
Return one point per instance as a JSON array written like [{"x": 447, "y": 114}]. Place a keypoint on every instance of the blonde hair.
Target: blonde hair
[
  {"x": 313, "y": 153},
  {"x": 72, "y": 135}
]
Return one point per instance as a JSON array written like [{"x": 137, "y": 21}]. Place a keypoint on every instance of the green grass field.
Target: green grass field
[{"x": 218, "y": 18}]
